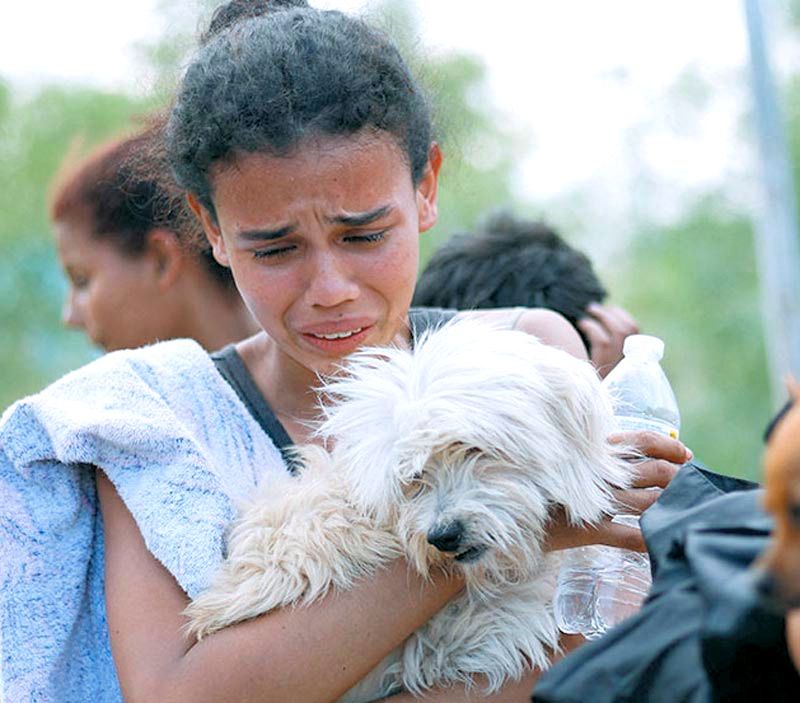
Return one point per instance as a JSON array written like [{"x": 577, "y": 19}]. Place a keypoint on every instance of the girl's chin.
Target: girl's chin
[{"x": 320, "y": 366}]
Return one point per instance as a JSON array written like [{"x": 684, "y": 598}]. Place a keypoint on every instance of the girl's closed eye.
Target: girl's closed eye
[
  {"x": 274, "y": 253},
  {"x": 370, "y": 238}
]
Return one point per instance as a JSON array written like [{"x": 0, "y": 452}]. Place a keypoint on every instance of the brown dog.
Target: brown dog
[{"x": 781, "y": 562}]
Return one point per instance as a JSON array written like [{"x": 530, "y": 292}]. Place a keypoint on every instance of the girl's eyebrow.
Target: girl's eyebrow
[
  {"x": 266, "y": 235},
  {"x": 360, "y": 219}
]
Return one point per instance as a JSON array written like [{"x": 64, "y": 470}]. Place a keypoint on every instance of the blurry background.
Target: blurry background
[{"x": 627, "y": 124}]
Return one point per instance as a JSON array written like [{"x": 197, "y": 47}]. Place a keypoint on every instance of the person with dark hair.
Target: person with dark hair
[
  {"x": 129, "y": 247},
  {"x": 512, "y": 262},
  {"x": 307, "y": 151}
]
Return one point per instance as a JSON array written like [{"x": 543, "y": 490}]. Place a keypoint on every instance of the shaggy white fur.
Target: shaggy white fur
[{"x": 450, "y": 456}]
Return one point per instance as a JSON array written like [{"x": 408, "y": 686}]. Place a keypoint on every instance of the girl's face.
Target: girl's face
[
  {"x": 323, "y": 243},
  {"x": 113, "y": 297}
]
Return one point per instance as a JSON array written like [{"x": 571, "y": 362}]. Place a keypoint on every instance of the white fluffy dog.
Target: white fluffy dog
[{"x": 450, "y": 456}]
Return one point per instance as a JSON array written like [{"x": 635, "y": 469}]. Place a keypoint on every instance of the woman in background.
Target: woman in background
[{"x": 125, "y": 240}]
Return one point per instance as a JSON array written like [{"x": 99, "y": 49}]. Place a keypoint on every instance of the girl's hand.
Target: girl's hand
[{"x": 656, "y": 460}]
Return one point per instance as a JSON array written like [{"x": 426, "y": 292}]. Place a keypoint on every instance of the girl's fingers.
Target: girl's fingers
[
  {"x": 614, "y": 535},
  {"x": 654, "y": 473},
  {"x": 627, "y": 321},
  {"x": 654, "y": 445},
  {"x": 563, "y": 535},
  {"x": 622, "y": 536},
  {"x": 636, "y": 501},
  {"x": 616, "y": 320}
]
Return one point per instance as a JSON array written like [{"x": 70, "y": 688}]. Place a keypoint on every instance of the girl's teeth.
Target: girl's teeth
[{"x": 339, "y": 335}]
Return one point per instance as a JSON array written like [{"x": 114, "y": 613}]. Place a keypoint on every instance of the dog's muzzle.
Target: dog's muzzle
[
  {"x": 446, "y": 537},
  {"x": 773, "y": 591}
]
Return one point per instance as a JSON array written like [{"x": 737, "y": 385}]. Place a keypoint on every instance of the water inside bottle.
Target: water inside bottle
[
  {"x": 599, "y": 587},
  {"x": 625, "y": 584},
  {"x": 576, "y": 593}
]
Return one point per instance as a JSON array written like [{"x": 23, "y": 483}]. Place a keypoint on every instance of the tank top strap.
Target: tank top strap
[
  {"x": 232, "y": 368},
  {"x": 423, "y": 320}
]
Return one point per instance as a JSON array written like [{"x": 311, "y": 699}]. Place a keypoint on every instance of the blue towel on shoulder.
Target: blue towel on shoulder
[{"x": 181, "y": 449}]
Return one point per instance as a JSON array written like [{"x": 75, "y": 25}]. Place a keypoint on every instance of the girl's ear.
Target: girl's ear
[
  {"x": 428, "y": 190},
  {"x": 211, "y": 228},
  {"x": 167, "y": 254}
]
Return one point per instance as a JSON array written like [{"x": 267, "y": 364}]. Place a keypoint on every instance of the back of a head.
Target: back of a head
[
  {"x": 123, "y": 190},
  {"x": 509, "y": 262},
  {"x": 105, "y": 189},
  {"x": 267, "y": 84}
]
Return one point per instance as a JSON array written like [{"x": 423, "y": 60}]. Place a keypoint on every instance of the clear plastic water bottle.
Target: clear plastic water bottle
[
  {"x": 640, "y": 391},
  {"x": 600, "y": 586}
]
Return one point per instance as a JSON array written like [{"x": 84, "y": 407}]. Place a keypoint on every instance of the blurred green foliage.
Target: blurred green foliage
[{"x": 693, "y": 283}]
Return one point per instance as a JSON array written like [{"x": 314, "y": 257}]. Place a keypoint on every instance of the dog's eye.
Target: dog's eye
[
  {"x": 794, "y": 513},
  {"x": 416, "y": 485}
]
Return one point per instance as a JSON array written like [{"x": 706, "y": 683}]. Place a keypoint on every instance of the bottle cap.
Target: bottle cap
[{"x": 643, "y": 345}]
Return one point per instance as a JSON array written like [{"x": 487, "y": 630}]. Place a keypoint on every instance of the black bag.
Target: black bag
[{"x": 703, "y": 635}]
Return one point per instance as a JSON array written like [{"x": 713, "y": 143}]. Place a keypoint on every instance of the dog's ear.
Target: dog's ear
[
  {"x": 549, "y": 417},
  {"x": 376, "y": 477},
  {"x": 587, "y": 465},
  {"x": 525, "y": 403},
  {"x": 364, "y": 422}
]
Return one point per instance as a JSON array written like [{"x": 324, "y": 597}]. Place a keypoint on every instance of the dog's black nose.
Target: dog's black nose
[{"x": 446, "y": 537}]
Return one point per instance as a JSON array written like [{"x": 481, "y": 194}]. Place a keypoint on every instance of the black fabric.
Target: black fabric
[
  {"x": 703, "y": 635},
  {"x": 232, "y": 368},
  {"x": 424, "y": 320}
]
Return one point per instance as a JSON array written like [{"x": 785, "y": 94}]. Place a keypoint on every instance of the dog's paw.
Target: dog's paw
[
  {"x": 209, "y": 613},
  {"x": 243, "y": 591},
  {"x": 295, "y": 564}
]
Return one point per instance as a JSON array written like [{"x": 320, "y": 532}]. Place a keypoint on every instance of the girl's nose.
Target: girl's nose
[{"x": 330, "y": 282}]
